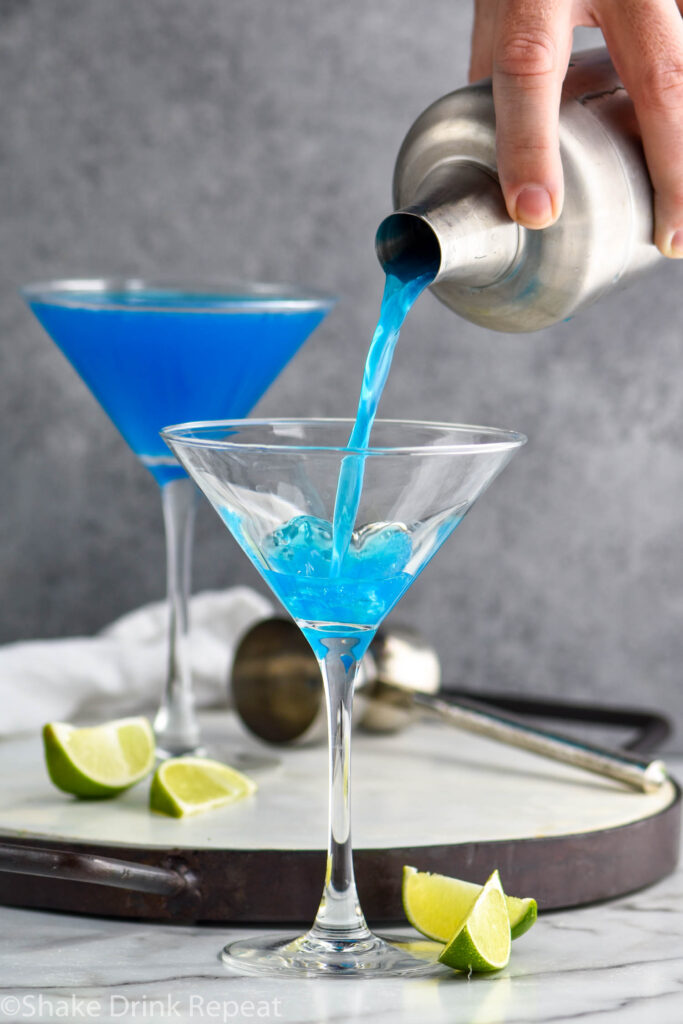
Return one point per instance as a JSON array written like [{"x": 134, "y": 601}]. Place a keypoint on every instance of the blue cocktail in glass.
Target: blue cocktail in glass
[
  {"x": 154, "y": 354},
  {"x": 275, "y": 485}
]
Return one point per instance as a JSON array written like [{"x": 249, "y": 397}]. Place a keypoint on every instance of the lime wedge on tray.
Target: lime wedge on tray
[
  {"x": 101, "y": 760},
  {"x": 189, "y": 785},
  {"x": 435, "y": 903},
  {"x": 481, "y": 941}
]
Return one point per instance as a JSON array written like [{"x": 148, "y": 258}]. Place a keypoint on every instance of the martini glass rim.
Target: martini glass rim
[
  {"x": 222, "y": 297},
  {"x": 495, "y": 439}
]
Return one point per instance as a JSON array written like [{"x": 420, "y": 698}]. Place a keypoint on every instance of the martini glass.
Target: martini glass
[
  {"x": 274, "y": 483},
  {"x": 153, "y": 353}
]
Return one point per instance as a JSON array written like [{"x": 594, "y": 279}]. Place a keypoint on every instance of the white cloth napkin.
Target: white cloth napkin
[{"x": 122, "y": 670}]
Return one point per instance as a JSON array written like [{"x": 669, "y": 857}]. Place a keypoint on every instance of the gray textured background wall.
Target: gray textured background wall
[{"x": 256, "y": 139}]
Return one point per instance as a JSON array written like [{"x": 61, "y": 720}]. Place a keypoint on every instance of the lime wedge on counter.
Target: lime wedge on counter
[
  {"x": 189, "y": 785},
  {"x": 481, "y": 940},
  {"x": 99, "y": 761},
  {"x": 434, "y": 903}
]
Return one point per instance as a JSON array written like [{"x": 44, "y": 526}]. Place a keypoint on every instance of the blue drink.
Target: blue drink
[
  {"x": 156, "y": 354},
  {"x": 154, "y": 357},
  {"x": 333, "y": 580},
  {"x": 356, "y": 596}
]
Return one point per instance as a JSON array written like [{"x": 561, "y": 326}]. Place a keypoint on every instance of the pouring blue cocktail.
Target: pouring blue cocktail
[{"x": 339, "y": 517}]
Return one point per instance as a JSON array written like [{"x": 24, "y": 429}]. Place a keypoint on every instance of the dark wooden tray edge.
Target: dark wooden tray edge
[{"x": 243, "y": 887}]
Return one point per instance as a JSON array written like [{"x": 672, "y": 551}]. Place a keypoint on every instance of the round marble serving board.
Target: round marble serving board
[{"x": 432, "y": 796}]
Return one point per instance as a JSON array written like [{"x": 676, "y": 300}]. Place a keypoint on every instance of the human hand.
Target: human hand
[{"x": 525, "y": 46}]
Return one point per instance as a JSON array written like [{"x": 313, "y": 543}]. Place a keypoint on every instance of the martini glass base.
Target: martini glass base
[
  {"x": 308, "y": 956},
  {"x": 162, "y": 754},
  {"x": 176, "y": 731}
]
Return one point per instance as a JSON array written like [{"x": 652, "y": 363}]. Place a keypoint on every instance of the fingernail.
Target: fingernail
[
  {"x": 676, "y": 245},
  {"x": 534, "y": 207}
]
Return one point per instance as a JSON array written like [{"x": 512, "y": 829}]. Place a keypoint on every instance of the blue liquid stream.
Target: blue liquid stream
[
  {"x": 400, "y": 292},
  {"x": 333, "y": 580}
]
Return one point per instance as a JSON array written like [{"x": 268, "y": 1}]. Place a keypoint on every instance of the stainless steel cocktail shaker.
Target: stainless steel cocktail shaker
[{"x": 450, "y": 208}]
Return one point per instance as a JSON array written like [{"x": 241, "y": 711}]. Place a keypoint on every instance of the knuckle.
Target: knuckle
[
  {"x": 526, "y": 54},
  {"x": 531, "y": 150},
  {"x": 662, "y": 87}
]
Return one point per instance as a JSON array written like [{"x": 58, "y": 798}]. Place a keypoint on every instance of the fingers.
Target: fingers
[
  {"x": 531, "y": 47},
  {"x": 525, "y": 45},
  {"x": 481, "y": 57},
  {"x": 645, "y": 40}
]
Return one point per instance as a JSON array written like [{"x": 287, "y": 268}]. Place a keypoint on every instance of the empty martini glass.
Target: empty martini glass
[
  {"x": 274, "y": 483},
  {"x": 153, "y": 353}
]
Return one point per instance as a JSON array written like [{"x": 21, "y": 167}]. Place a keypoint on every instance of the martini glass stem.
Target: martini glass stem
[
  {"x": 339, "y": 917},
  {"x": 176, "y": 726}
]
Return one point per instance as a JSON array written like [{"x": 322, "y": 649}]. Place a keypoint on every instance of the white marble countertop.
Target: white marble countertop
[{"x": 620, "y": 961}]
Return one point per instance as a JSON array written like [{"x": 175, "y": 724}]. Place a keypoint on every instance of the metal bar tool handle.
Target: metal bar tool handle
[{"x": 641, "y": 773}]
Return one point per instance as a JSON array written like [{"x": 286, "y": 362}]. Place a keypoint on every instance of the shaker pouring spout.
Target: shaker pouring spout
[{"x": 458, "y": 226}]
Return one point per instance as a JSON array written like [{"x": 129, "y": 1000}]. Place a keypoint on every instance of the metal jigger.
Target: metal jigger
[
  {"x": 277, "y": 690},
  {"x": 278, "y": 695}
]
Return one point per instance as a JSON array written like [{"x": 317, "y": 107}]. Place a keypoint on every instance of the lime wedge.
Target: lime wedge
[
  {"x": 99, "y": 761},
  {"x": 189, "y": 785},
  {"x": 481, "y": 941},
  {"x": 434, "y": 903}
]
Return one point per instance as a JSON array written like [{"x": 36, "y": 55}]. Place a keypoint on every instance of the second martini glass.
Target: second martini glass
[
  {"x": 153, "y": 353},
  {"x": 275, "y": 485}
]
